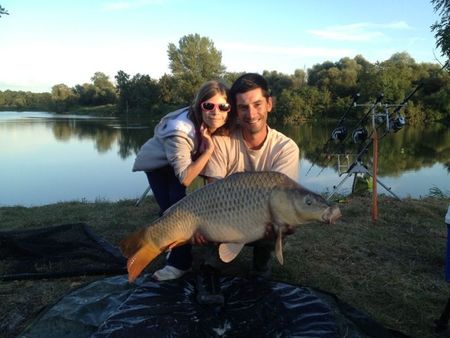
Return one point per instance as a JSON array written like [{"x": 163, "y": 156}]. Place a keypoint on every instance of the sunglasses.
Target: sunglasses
[{"x": 209, "y": 106}]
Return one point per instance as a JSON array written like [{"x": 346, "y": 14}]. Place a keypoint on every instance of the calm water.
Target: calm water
[{"x": 47, "y": 158}]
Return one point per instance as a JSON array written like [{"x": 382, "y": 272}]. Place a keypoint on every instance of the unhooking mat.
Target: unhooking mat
[
  {"x": 112, "y": 307},
  {"x": 46, "y": 252}
]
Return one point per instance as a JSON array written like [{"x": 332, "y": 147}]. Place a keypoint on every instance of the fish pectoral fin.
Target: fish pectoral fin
[
  {"x": 140, "y": 260},
  {"x": 279, "y": 246},
  {"x": 229, "y": 251}
]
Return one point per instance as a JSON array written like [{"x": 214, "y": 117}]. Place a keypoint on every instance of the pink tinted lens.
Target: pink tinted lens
[{"x": 209, "y": 106}]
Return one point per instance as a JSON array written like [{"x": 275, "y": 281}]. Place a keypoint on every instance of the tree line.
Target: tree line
[{"x": 324, "y": 91}]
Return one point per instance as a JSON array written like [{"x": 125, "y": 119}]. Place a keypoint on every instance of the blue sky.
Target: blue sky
[{"x": 43, "y": 43}]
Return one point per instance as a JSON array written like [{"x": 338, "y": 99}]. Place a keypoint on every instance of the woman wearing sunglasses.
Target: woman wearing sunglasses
[{"x": 178, "y": 152}]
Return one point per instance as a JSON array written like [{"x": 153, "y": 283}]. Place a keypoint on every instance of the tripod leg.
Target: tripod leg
[
  {"x": 139, "y": 201},
  {"x": 387, "y": 189},
  {"x": 355, "y": 178},
  {"x": 336, "y": 188}
]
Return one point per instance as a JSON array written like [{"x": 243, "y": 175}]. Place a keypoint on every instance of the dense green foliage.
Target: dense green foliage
[
  {"x": 194, "y": 62},
  {"x": 322, "y": 92},
  {"x": 442, "y": 27}
]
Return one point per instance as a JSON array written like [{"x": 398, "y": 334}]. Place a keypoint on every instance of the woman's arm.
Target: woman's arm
[
  {"x": 178, "y": 151},
  {"x": 195, "y": 168}
]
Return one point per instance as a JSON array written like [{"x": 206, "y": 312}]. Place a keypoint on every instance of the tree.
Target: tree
[
  {"x": 145, "y": 92},
  {"x": 105, "y": 90},
  {"x": 140, "y": 92},
  {"x": 86, "y": 94},
  {"x": 168, "y": 85},
  {"x": 193, "y": 62},
  {"x": 123, "y": 87},
  {"x": 340, "y": 78},
  {"x": 100, "y": 91},
  {"x": 63, "y": 97},
  {"x": 3, "y": 11},
  {"x": 277, "y": 81},
  {"x": 442, "y": 27}
]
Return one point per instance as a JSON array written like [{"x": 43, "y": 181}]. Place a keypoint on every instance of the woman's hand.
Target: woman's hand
[{"x": 207, "y": 142}]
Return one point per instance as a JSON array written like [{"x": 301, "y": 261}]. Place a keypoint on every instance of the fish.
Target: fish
[{"x": 231, "y": 211}]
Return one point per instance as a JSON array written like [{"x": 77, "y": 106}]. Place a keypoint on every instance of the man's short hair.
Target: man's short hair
[{"x": 247, "y": 82}]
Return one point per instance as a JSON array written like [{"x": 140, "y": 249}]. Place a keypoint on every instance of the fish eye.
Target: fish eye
[{"x": 308, "y": 200}]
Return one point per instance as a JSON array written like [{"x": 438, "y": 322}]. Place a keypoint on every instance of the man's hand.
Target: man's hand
[
  {"x": 198, "y": 239},
  {"x": 270, "y": 232}
]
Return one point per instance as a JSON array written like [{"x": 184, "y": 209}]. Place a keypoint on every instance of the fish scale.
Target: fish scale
[{"x": 235, "y": 209}]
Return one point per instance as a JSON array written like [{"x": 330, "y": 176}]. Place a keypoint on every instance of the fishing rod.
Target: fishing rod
[
  {"x": 393, "y": 124},
  {"x": 339, "y": 132},
  {"x": 398, "y": 122},
  {"x": 359, "y": 133}
]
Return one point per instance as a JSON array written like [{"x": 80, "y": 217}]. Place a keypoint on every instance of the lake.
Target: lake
[{"x": 47, "y": 158}]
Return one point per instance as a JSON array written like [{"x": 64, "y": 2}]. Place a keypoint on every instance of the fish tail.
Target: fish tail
[
  {"x": 140, "y": 260},
  {"x": 139, "y": 253},
  {"x": 131, "y": 244}
]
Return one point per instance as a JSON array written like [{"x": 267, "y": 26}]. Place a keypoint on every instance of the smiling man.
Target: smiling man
[{"x": 253, "y": 146}]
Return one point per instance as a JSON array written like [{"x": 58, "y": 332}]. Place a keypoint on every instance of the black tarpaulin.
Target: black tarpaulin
[
  {"x": 112, "y": 307},
  {"x": 46, "y": 252}
]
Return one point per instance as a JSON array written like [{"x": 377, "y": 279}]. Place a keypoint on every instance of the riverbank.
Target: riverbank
[{"x": 392, "y": 269}]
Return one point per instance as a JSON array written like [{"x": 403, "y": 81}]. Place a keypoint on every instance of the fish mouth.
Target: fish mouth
[{"x": 332, "y": 215}]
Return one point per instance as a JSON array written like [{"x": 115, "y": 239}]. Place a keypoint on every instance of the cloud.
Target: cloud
[
  {"x": 282, "y": 50},
  {"x": 54, "y": 63},
  {"x": 396, "y": 25},
  {"x": 238, "y": 57},
  {"x": 358, "y": 32}
]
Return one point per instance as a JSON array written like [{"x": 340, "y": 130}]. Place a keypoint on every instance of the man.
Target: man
[{"x": 253, "y": 146}]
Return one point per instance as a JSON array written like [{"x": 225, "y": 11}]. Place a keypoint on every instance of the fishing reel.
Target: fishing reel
[
  {"x": 395, "y": 124},
  {"x": 359, "y": 135},
  {"x": 339, "y": 134}
]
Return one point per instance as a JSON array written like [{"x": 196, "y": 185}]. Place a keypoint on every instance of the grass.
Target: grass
[{"x": 391, "y": 269}]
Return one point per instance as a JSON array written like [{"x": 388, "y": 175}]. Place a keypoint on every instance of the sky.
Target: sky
[{"x": 44, "y": 43}]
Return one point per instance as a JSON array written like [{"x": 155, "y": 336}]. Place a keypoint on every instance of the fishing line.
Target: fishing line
[{"x": 338, "y": 133}]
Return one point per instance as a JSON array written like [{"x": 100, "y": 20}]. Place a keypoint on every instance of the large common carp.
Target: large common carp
[{"x": 232, "y": 211}]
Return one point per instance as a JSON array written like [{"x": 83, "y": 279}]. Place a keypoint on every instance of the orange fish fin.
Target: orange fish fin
[
  {"x": 140, "y": 260},
  {"x": 131, "y": 244},
  {"x": 229, "y": 251}
]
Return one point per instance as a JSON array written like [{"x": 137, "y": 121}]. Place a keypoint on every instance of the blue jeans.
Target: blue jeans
[
  {"x": 447, "y": 258},
  {"x": 168, "y": 190}
]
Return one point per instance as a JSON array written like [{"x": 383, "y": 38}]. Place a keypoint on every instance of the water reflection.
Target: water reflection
[
  {"x": 412, "y": 148},
  {"x": 91, "y": 157}
]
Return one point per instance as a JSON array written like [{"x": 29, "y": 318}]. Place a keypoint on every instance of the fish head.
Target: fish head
[
  {"x": 295, "y": 206},
  {"x": 311, "y": 207}
]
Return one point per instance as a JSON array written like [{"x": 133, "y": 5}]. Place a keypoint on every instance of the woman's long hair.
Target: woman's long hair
[{"x": 207, "y": 91}]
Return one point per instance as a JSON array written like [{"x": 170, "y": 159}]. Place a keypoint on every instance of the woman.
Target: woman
[{"x": 178, "y": 152}]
